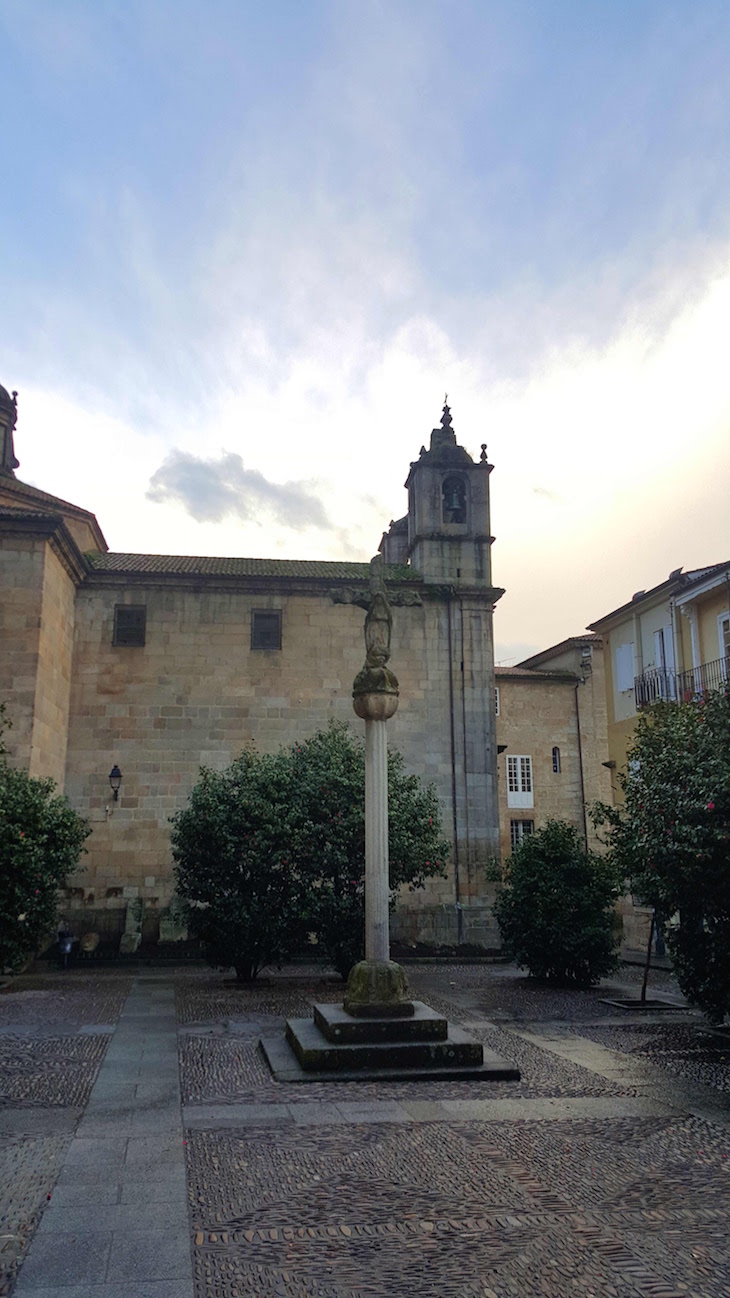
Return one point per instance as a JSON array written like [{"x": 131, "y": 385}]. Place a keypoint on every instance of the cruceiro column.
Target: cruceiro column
[{"x": 376, "y": 985}]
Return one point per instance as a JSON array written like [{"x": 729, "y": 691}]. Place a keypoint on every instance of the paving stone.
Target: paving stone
[
  {"x": 589, "y": 1177},
  {"x": 28, "y": 1169},
  {"x": 165, "y": 1187},
  {"x": 84, "y": 1219},
  {"x": 150, "y": 1255},
  {"x": 58, "y": 1260},
  {"x": 93, "y": 1152}
]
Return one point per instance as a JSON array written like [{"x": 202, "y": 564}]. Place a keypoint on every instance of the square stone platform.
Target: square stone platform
[{"x": 422, "y": 1045}]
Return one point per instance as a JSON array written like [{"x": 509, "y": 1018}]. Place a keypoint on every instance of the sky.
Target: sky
[{"x": 245, "y": 248}]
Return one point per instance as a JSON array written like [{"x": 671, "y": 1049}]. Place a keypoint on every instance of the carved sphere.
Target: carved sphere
[{"x": 375, "y": 707}]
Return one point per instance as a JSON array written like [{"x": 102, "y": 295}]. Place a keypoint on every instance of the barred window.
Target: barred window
[
  {"x": 130, "y": 624},
  {"x": 556, "y": 760},
  {"x": 266, "y": 629},
  {"x": 519, "y": 829}
]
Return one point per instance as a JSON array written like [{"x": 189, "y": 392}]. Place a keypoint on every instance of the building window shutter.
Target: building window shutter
[
  {"x": 625, "y": 667},
  {"x": 519, "y": 782},
  {"x": 130, "y": 625},
  {"x": 266, "y": 629}
]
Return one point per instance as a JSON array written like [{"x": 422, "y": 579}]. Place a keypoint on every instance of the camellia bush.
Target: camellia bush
[
  {"x": 671, "y": 840},
  {"x": 41, "y": 840},
  {"x": 272, "y": 850},
  {"x": 556, "y": 911}
]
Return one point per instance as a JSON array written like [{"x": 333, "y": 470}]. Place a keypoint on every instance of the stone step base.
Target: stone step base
[
  {"x": 316, "y": 1054},
  {"x": 286, "y": 1068},
  {"x": 341, "y": 1028}
]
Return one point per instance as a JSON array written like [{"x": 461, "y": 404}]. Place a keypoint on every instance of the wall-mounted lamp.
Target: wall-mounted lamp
[{"x": 115, "y": 779}]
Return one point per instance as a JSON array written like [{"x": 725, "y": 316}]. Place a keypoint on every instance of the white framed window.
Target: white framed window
[
  {"x": 519, "y": 829},
  {"x": 519, "y": 782},
  {"x": 496, "y": 700},
  {"x": 625, "y": 667}
]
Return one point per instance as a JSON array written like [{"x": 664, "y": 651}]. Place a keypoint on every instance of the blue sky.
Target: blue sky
[{"x": 246, "y": 247}]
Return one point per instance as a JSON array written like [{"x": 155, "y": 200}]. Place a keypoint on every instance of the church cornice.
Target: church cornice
[{"x": 52, "y": 529}]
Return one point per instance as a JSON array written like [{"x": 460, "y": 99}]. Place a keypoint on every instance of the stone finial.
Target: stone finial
[
  {"x": 483, "y": 456},
  {"x": 446, "y": 414},
  {"x": 8, "y": 421},
  {"x": 375, "y": 688}
]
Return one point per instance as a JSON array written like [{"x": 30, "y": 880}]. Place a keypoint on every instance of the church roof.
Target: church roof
[
  {"x": 571, "y": 642},
  {"x": 186, "y": 565},
  {"x": 527, "y": 674}
]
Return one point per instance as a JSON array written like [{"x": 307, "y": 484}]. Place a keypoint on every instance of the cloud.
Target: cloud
[
  {"x": 545, "y": 493},
  {"x": 212, "y": 489}
]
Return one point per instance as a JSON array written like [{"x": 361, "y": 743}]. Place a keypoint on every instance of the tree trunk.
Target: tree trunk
[{"x": 647, "y": 963}]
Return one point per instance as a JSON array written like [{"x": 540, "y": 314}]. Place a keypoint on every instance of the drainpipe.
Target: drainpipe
[
  {"x": 578, "y": 684},
  {"x": 457, "y": 887}
]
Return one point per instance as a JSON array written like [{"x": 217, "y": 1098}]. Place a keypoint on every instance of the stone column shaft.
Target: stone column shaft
[{"x": 377, "y": 891}]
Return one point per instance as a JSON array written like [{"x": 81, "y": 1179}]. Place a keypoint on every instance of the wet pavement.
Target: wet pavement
[{"x": 146, "y": 1150}]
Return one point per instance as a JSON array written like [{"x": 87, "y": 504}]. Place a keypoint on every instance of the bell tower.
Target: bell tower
[{"x": 449, "y": 538}]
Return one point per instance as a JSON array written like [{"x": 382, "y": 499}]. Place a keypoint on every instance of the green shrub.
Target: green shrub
[
  {"x": 41, "y": 840},
  {"x": 273, "y": 849},
  {"x": 670, "y": 837},
  {"x": 556, "y": 911}
]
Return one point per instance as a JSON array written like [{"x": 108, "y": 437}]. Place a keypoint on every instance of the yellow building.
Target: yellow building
[{"x": 669, "y": 642}]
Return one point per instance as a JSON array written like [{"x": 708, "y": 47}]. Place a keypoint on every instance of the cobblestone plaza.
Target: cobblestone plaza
[{"x": 146, "y": 1150}]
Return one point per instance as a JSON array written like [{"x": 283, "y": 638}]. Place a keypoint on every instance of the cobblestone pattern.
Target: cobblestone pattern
[
  {"x": 221, "y": 1071},
  {"x": 40, "y": 1001},
  {"x": 459, "y": 991},
  {"x": 627, "y": 1208},
  {"x": 215, "y": 1001},
  {"x": 49, "y": 1071},
  {"x": 483, "y": 992},
  {"x": 684, "y": 1050},
  {"x": 660, "y": 980},
  {"x": 28, "y": 1170}
]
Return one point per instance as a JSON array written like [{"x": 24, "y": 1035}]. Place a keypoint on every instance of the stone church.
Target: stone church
[{"x": 153, "y": 665}]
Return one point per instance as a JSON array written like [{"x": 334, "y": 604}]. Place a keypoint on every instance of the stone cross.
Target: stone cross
[{"x": 376, "y": 985}]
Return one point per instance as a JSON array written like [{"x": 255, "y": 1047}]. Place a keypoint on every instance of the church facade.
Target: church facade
[{"x": 156, "y": 665}]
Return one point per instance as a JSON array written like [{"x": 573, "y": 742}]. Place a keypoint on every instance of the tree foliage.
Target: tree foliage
[
  {"x": 273, "y": 848},
  {"x": 41, "y": 839},
  {"x": 556, "y": 911},
  {"x": 670, "y": 837}
]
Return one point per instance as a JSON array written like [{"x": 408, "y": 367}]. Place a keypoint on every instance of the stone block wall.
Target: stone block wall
[
  {"x": 22, "y": 561},
  {"x": 53, "y": 679},
  {"x": 535, "y": 716},
  {"x": 197, "y": 693}
]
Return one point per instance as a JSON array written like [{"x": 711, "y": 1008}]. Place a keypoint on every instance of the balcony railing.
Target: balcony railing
[{"x": 656, "y": 684}]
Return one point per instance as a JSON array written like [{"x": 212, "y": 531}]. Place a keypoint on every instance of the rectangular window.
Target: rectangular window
[
  {"x": 130, "y": 624},
  {"x": 519, "y": 782},
  {"x": 266, "y": 629},
  {"x": 625, "y": 667},
  {"x": 519, "y": 829},
  {"x": 723, "y": 636},
  {"x": 496, "y": 701}
]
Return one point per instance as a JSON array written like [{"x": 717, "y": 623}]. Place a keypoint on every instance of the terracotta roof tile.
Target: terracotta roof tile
[{"x": 239, "y": 567}]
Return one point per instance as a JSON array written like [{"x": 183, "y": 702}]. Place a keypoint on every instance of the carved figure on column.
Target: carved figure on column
[{"x": 375, "y": 688}]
